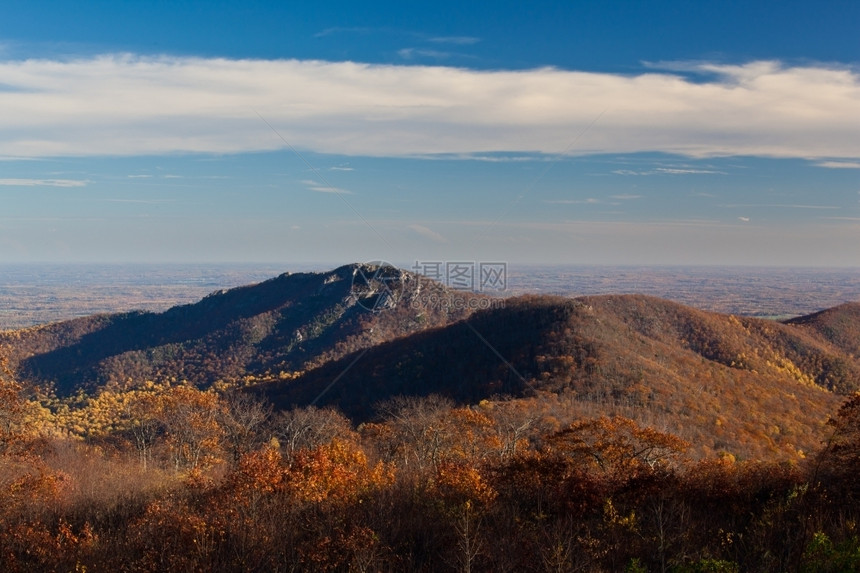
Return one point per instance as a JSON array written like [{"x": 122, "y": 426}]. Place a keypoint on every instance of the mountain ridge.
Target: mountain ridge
[
  {"x": 717, "y": 380},
  {"x": 361, "y": 334},
  {"x": 286, "y": 323}
]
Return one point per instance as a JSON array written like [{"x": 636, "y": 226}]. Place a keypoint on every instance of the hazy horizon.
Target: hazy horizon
[{"x": 36, "y": 293}]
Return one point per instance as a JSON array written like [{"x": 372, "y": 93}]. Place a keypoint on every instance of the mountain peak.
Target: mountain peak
[{"x": 285, "y": 324}]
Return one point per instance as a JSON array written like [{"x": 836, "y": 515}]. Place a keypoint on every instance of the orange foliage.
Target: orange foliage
[
  {"x": 260, "y": 471},
  {"x": 459, "y": 484},
  {"x": 11, "y": 408},
  {"x": 618, "y": 445},
  {"x": 32, "y": 546},
  {"x": 338, "y": 472},
  {"x": 839, "y": 462},
  {"x": 172, "y": 536},
  {"x": 190, "y": 418}
]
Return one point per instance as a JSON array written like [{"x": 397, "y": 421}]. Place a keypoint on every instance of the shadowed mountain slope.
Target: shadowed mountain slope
[
  {"x": 286, "y": 324},
  {"x": 839, "y": 325},
  {"x": 748, "y": 386}
]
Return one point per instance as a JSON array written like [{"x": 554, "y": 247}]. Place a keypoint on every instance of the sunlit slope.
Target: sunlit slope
[{"x": 746, "y": 386}]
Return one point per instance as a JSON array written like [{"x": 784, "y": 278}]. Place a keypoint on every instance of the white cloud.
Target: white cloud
[
  {"x": 669, "y": 171},
  {"x": 428, "y": 233},
  {"x": 343, "y": 30},
  {"x": 839, "y": 164},
  {"x": 410, "y": 53},
  {"x": 785, "y": 206},
  {"x": 323, "y": 188},
  {"x": 457, "y": 40},
  {"x": 43, "y": 183},
  {"x": 674, "y": 171},
  {"x": 495, "y": 158},
  {"x": 589, "y": 201},
  {"x": 127, "y": 105}
]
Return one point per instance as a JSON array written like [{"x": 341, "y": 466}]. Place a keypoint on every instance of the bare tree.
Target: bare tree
[
  {"x": 243, "y": 419},
  {"x": 192, "y": 431},
  {"x": 514, "y": 423},
  {"x": 419, "y": 428},
  {"x": 306, "y": 428},
  {"x": 145, "y": 425}
]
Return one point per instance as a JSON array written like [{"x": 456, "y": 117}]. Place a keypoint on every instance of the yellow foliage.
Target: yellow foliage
[
  {"x": 337, "y": 471},
  {"x": 463, "y": 484}
]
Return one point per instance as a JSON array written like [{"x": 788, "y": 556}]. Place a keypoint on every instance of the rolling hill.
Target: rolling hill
[
  {"x": 747, "y": 386},
  {"x": 840, "y": 325},
  {"x": 360, "y": 334}
]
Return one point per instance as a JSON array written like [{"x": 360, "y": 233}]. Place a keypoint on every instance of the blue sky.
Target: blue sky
[{"x": 551, "y": 132}]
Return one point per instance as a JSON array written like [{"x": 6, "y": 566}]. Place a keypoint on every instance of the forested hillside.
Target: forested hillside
[
  {"x": 840, "y": 325},
  {"x": 284, "y": 325},
  {"x": 316, "y": 423},
  {"x": 751, "y": 387},
  {"x": 754, "y": 388}
]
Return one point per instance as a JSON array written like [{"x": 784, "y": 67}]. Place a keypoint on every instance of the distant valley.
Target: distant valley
[{"x": 40, "y": 293}]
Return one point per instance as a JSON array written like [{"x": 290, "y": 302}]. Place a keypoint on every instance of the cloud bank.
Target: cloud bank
[
  {"x": 128, "y": 105},
  {"x": 42, "y": 183}
]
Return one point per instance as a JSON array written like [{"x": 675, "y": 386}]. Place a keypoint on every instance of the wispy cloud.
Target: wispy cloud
[
  {"x": 142, "y": 201},
  {"x": 491, "y": 158},
  {"x": 626, "y": 197},
  {"x": 589, "y": 201},
  {"x": 127, "y": 105},
  {"x": 782, "y": 206},
  {"x": 43, "y": 182},
  {"x": 397, "y": 32},
  {"x": 456, "y": 40},
  {"x": 839, "y": 164},
  {"x": 343, "y": 30},
  {"x": 411, "y": 53},
  {"x": 669, "y": 171},
  {"x": 322, "y": 188},
  {"x": 428, "y": 233}
]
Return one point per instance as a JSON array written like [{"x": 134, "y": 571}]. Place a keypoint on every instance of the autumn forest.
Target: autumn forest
[{"x": 309, "y": 423}]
